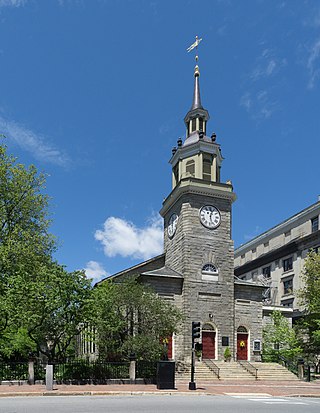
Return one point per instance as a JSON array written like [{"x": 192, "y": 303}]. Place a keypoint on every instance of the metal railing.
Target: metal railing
[
  {"x": 212, "y": 366},
  {"x": 81, "y": 371},
  {"x": 290, "y": 365},
  {"x": 249, "y": 367},
  {"x": 10, "y": 371},
  {"x": 146, "y": 369}
]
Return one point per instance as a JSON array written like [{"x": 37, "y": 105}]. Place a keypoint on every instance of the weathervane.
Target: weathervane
[{"x": 195, "y": 46}]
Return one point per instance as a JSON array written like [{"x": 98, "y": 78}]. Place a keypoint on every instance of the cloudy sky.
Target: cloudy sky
[{"x": 94, "y": 92}]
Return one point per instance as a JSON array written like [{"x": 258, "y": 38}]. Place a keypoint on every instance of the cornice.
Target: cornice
[{"x": 198, "y": 187}]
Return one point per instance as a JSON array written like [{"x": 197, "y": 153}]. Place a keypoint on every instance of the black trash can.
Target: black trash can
[{"x": 166, "y": 374}]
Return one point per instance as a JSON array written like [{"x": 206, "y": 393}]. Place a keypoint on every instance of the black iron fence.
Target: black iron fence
[
  {"x": 82, "y": 371},
  {"x": 12, "y": 371},
  {"x": 146, "y": 369},
  {"x": 78, "y": 371}
]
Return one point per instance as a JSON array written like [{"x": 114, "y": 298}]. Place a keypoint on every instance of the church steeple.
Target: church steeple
[
  {"x": 196, "y": 104},
  {"x": 197, "y": 117}
]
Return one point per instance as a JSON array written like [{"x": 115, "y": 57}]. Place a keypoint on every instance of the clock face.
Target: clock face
[
  {"x": 210, "y": 216},
  {"x": 172, "y": 225}
]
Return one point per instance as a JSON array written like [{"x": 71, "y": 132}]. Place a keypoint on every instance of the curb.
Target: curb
[{"x": 105, "y": 393}]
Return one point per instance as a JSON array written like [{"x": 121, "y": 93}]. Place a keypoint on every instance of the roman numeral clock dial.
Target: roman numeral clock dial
[
  {"x": 172, "y": 225},
  {"x": 210, "y": 216}
]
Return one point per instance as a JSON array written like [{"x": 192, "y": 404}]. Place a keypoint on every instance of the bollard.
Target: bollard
[
  {"x": 132, "y": 371},
  {"x": 31, "y": 372},
  {"x": 300, "y": 371},
  {"x": 49, "y": 377}
]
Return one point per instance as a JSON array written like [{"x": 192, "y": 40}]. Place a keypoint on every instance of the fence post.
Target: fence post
[
  {"x": 49, "y": 377},
  {"x": 31, "y": 372}
]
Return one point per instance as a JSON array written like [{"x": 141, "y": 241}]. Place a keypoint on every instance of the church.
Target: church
[{"x": 196, "y": 270}]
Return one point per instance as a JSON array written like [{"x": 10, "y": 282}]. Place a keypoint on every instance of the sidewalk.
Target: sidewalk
[{"x": 272, "y": 388}]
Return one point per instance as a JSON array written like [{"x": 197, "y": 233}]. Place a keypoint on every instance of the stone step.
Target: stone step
[{"x": 234, "y": 371}]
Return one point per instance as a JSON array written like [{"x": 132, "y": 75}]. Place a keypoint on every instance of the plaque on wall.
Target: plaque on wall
[{"x": 225, "y": 341}]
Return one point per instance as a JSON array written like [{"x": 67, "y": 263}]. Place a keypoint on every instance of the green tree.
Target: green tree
[
  {"x": 41, "y": 304},
  {"x": 129, "y": 317},
  {"x": 51, "y": 308},
  {"x": 309, "y": 296},
  {"x": 279, "y": 339},
  {"x": 24, "y": 236}
]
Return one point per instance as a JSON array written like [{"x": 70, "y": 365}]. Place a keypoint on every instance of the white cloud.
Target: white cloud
[
  {"x": 33, "y": 143},
  {"x": 121, "y": 237},
  {"x": 95, "y": 270},
  {"x": 12, "y": 3},
  {"x": 313, "y": 64},
  {"x": 258, "y": 104},
  {"x": 246, "y": 101},
  {"x": 267, "y": 64}
]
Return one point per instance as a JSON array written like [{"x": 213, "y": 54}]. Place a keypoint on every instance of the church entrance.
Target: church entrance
[
  {"x": 242, "y": 343},
  {"x": 208, "y": 342}
]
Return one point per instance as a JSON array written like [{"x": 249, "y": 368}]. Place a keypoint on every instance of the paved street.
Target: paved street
[{"x": 245, "y": 403}]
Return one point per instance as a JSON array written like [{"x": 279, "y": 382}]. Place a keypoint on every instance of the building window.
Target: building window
[
  {"x": 316, "y": 250},
  {"x": 287, "y": 234},
  {"x": 242, "y": 329},
  {"x": 266, "y": 271},
  {"x": 193, "y": 125},
  {"x": 254, "y": 275},
  {"x": 201, "y": 124},
  {"x": 266, "y": 295},
  {"x": 288, "y": 286},
  {"x": 190, "y": 167},
  {"x": 287, "y": 303},
  {"x": 314, "y": 224},
  {"x": 176, "y": 172},
  {"x": 209, "y": 269},
  {"x": 266, "y": 244},
  {"x": 206, "y": 169},
  {"x": 243, "y": 256},
  {"x": 254, "y": 250},
  {"x": 210, "y": 272},
  {"x": 287, "y": 264}
]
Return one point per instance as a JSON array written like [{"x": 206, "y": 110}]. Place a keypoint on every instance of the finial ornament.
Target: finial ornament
[{"x": 195, "y": 46}]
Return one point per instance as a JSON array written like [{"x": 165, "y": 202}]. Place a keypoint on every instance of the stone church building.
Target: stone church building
[{"x": 196, "y": 270}]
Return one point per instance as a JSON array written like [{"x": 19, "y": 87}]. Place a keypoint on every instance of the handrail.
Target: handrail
[
  {"x": 290, "y": 365},
  {"x": 212, "y": 366},
  {"x": 249, "y": 367}
]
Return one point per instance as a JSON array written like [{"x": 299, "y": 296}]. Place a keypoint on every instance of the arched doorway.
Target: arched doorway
[
  {"x": 242, "y": 343},
  {"x": 208, "y": 342}
]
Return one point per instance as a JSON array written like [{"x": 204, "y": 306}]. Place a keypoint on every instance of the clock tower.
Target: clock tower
[{"x": 197, "y": 235}]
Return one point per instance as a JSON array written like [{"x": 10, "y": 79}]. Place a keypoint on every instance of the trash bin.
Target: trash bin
[{"x": 166, "y": 375}]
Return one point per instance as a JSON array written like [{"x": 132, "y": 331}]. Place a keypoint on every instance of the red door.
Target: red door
[
  {"x": 170, "y": 347},
  {"x": 208, "y": 344},
  {"x": 242, "y": 346}
]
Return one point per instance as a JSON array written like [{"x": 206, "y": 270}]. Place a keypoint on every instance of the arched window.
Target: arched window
[
  {"x": 190, "y": 167},
  {"x": 242, "y": 329},
  {"x": 209, "y": 269}
]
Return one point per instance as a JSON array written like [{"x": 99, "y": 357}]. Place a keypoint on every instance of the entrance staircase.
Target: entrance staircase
[
  {"x": 273, "y": 371},
  {"x": 233, "y": 370}
]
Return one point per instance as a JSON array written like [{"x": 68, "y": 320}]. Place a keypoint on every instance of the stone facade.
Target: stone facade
[
  {"x": 277, "y": 259},
  {"x": 196, "y": 272}
]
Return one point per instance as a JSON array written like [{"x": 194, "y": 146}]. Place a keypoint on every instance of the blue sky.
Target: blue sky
[{"x": 94, "y": 92}]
